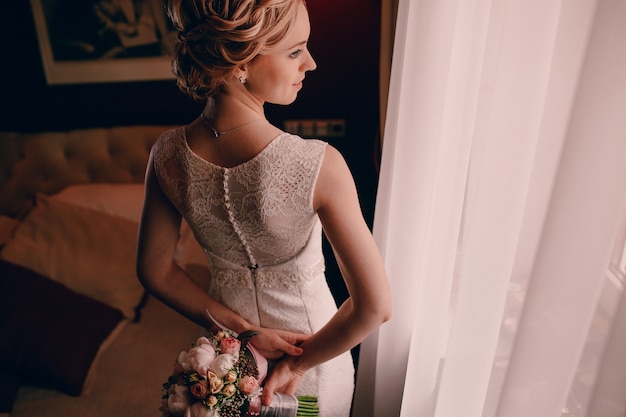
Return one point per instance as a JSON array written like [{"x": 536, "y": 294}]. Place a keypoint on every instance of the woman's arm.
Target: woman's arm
[
  {"x": 369, "y": 303},
  {"x": 163, "y": 278}
]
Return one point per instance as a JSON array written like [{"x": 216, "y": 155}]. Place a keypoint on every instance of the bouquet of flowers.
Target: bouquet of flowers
[{"x": 221, "y": 376}]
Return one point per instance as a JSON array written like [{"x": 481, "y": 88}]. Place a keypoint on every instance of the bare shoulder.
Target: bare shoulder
[
  {"x": 335, "y": 182},
  {"x": 334, "y": 163}
]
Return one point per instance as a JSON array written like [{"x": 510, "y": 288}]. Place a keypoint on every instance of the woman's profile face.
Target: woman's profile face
[{"x": 277, "y": 77}]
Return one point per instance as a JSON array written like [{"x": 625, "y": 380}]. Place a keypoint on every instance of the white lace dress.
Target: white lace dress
[{"x": 263, "y": 240}]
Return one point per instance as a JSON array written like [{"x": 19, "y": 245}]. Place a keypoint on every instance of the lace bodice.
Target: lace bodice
[
  {"x": 263, "y": 241},
  {"x": 255, "y": 216},
  {"x": 263, "y": 205}
]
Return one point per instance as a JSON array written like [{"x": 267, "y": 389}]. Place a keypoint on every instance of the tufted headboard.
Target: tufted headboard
[{"x": 49, "y": 161}]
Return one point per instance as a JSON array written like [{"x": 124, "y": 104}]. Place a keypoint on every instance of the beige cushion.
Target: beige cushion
[
  {"x": 90, "y": 252},
  {"x": 126, "y": 201},
  {"x": 120, "y": 200}
]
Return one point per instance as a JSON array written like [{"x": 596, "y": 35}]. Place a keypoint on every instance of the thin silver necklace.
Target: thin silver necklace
[{"x": 218, "y": 133}]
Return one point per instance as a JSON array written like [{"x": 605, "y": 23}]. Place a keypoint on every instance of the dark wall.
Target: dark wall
[
  {"x": 344, "y": 42},
  {"x": 29, "y": 104}
]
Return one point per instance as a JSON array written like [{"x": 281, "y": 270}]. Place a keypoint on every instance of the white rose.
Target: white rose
[
  {"x": 199, "y": 410},
  {"x": 222, "y": 364},
  {"x": 197, "y": 358},
  {"x": 178, "y": 400}
]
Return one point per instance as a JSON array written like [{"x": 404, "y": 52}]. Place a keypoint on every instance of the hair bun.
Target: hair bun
[{"x": 217, "y": 36}]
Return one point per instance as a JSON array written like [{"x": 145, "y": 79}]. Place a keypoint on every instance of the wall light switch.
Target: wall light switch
[
  {"x": 307, "y": 128},
  {"x": 292, "y": 126},
  {"x": 322, "y": 128},
  {"x": 312, "y": 128}
]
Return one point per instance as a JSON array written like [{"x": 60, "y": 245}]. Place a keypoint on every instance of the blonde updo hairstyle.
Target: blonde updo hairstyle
[{"x": 217, "y": 36}]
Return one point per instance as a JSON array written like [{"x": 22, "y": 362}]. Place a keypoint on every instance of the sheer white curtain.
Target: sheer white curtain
[{"x": 502, "y": 189}]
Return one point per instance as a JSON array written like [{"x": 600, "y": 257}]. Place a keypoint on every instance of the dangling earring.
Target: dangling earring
[{"x": 243, "y": 80}]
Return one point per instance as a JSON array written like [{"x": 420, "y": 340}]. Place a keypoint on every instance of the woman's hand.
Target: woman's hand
[
  {"x": 274, "y": 344},
  {"x": 284, "y": 378}
]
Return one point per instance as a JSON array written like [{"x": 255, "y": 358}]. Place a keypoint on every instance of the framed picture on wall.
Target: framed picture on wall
[{"x": 94, "y": 41}]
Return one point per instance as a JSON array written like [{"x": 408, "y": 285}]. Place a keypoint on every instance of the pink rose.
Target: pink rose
[
  {"x": 200, "y": 389},
  {"x": 230, "y": 345},
  {"x": 248, "y": 384}
]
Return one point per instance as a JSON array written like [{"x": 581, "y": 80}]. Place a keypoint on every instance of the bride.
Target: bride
[{"x": 258, "y": 200}]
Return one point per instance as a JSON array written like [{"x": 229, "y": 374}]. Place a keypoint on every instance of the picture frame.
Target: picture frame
[{"x": 99, "y": 41}]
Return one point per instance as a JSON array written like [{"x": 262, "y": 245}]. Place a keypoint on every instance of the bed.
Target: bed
[{"x": 80, "y": 337}]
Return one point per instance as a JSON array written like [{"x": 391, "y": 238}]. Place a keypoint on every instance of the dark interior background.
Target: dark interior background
[{"x": 344, "y": 41}]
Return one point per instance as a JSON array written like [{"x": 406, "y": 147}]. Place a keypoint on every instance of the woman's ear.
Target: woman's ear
[{"x": 241, "y": 73}]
